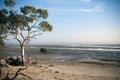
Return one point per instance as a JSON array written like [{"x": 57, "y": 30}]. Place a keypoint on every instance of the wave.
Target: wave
[{"x": 83, "y": 47}]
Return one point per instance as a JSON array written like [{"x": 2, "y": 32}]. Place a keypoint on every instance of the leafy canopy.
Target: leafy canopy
[{"x": 27, "y": 20}]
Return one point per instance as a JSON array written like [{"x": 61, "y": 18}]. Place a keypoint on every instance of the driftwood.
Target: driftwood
[{"x": 17, "y": 73}]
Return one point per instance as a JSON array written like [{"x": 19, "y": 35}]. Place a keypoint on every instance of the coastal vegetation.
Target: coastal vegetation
[
  {"x": 23, "y": 24},
  {"x": 43, "y": 50}
]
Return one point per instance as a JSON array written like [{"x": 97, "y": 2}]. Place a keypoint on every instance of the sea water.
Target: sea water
[{"x": 71, "y": 52}]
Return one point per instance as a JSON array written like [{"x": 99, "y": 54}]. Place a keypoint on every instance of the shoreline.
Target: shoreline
[
  {"x": 62, "y": 55},
  {"x": 45, "y": 66},
  {"x": 41, "y": 69}
]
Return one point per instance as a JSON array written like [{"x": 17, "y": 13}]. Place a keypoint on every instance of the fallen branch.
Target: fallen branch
[{"x": 17, "y": 74}]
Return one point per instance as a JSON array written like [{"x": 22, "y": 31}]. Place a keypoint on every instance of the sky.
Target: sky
[{"x": 78, "y": 21}]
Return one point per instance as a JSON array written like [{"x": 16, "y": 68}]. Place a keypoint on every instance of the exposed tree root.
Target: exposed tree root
[{"x": 17, "y": 73}]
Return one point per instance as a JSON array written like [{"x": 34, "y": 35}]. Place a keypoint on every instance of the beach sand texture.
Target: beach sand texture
[{"x": 85, "y": 70}]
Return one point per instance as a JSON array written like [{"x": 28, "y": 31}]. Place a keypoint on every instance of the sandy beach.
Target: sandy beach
[
  {"x": 84, "y": 70},
  {"x": 46, "y": 67}
]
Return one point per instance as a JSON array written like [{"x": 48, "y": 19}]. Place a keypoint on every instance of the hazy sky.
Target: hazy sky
[{"x": 79, "y": 21}]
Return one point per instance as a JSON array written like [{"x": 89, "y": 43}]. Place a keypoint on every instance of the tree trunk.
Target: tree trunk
[{"x": 23, "y": 54}]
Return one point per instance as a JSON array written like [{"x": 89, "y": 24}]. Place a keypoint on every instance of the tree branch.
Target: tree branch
[
  {"x": 18, "y": 39},
  {"x": 27, "y": 37},
  {"x": 35, "y": 23},
  {"x": 25, "y": 75},
  {"x": 18, "y": 73},
  {"x": 22, "y": 36},
  {"x": 35, "y": 35},
  {"x": 35, "y": 31}
]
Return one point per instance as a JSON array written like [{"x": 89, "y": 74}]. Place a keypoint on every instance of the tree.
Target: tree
[
  {"x": 23, "y": 24},
  {"x": 2, "y": 30},
  {"x": 1, "y": 42}
]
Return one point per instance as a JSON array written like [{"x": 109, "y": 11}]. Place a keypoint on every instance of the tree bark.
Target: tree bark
[{"x": 23, "y": 54}]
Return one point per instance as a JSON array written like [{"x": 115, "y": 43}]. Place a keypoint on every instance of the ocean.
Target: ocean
[{"x": 69, "y": 53}]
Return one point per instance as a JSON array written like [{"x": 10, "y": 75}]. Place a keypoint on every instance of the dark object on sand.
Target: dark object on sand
[
  {"x": 43, "y": 50},
  {"x": 51, "y": 65},
  {"x": 56, "y": 71},
  {"x": 14, "y": 61}
]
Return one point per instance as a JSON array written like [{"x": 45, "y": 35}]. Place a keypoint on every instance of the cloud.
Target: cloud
[
  {"x": 69, "y": 1},
  {"x": 62, "y": 1},
  {"x": 98, "y": 8},
  {"x": 75, "y": 10},
  {"x": 91, "y": 10},
  {"x": 87, "y": 1},
  {"x": 58, "y": 11}
]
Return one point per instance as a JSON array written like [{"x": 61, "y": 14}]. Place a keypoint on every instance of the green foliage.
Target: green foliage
[
  {"x": 1, "y": 42},
  {"x": 18, "y": 21},
  {"x": 1, "y": 38},
  {"x": 28, "y": 9},
  {"x": 43, "y": 13},
  {"x": 45, "y": 26},
  {"x": 3, "y": 16},
  {"x": 43, "y": 50},
  {"x": 29, "y": 19},
  {"x": 9, "y": 3},
  {"x": 3, "y": 29},
  {"x": 28, "y": 15}
]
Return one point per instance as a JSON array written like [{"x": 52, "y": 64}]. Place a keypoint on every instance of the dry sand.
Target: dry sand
[{"x": 83, "y": 70}]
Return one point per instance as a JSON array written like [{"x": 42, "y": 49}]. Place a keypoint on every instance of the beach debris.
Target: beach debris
[
  {"x": 43, "y": 50},
  {"x": 116, "y": 78},
  {"x": 60, "y": 79},
  {"x": 55, "y": 77},
  {"x": 56, "y": 71},
  {"x": 5, "y": 71},
  {"x": 14, "y": 60},
  {"x": 3, "y": 62},
  {"x": 51, "y": 65},
  {"x": 34, "y": 63},
  {"x": 40, "y": 66},
  {"x": 46, "y": 68},
  {"x": 5, "y": 74}
]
